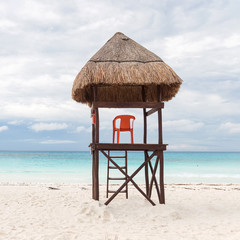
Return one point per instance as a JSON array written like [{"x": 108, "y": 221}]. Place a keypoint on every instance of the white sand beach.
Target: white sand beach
[{"x": 33, "y": 211}]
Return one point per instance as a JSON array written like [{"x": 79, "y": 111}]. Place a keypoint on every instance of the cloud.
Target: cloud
[
  {"x": 232, "y": 128},
  {"x": 82, "y": 128},
  {"x": 42, "y": 56},
  {"x": 182, "y": 125},
  {"x": 57, "y": 141},
  {"x": 232, "y": 41},
  {"x": 16, "y": 122},
  {"x": 186, "y": 147},
  {"x": 204, "y": 105},
  {"x": 48, "y": 126},
  {"x": 45, "y": 110},
  {"x": 3, "y": 128}
]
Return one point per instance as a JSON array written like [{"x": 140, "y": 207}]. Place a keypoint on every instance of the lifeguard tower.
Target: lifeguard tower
[{"x": 124, "y": 74}]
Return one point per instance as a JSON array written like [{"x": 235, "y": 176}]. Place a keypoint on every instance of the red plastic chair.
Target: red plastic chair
[{"x": 125, "y": 125}]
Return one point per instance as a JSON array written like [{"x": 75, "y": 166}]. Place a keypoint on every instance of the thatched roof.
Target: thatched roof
[{"x": 120, "y": 69}]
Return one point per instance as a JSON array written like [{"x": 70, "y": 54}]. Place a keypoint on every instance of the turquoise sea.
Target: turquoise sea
[{"x": 76, "y": 167}]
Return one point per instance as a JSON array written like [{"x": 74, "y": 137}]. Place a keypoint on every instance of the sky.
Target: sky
[{"x": 44, "y": 44}]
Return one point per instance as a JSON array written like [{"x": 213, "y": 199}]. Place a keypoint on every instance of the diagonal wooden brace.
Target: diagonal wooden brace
[
  {"x": 129, "y": 178},
  {"x": 155, "y": 182},
  {"x": 153, "y": 179}
]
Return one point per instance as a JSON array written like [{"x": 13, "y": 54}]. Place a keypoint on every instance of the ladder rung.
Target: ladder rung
[
  {"x": 117, "y": 178},
  {"x": 117, "y": 156},
  {"x": 111, "y": 191},
  {"x": 112, "y": 167}
]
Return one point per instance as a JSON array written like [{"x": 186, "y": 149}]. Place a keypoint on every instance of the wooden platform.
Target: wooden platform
[{"x": 128, "y": 147}]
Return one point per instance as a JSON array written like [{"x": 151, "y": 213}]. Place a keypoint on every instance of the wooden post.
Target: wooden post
[
  {"x": 95, "y": 169},
  {"x": 93, "y": 155},
  {"x": 160, "y": 154},
  {"x": 126, "y": 170},
  {"x": 159, "y": 116},
  {"x": 145, "y": 140},
  {"x": 162, "y": 195}
]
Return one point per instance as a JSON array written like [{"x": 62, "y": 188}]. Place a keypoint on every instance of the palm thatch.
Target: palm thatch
[{"x": 120, "y": 69}]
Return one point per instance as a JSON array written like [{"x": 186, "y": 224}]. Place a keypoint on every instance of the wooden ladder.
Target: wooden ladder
[{"x": 110, "y": 166}]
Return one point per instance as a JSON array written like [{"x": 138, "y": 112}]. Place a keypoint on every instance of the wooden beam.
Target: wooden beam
[
  {"x": 145, "y": 152},
  {"x": 93, "y": 127},
  {"x": 162, "y": 196},
  {"x": 160, "y": 140},
  {"x": 95, "y": 164},
  {"x": 128, "y": 146},
  {"x": 159, "y": 117},
  {"x": 157, "y": 105},
  {"x": 160, "y": 154},
  {"x": 144, "y": 126},
  {"x": 145, "y": 140},
  {"x": 96, "y": 174},
  {"x": 95, "y": 180},
  {"x": 153, "y": 110},
  {"x": 96, "y": 125}
]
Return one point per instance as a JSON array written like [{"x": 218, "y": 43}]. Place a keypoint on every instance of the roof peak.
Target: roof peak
[{"x": 121, "y": 48}]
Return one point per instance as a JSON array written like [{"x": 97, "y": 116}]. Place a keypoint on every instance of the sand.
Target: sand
[{"x": 33, "y": 211}]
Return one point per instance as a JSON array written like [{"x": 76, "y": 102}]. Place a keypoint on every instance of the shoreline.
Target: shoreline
[{"x": 102, "y": 185}]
